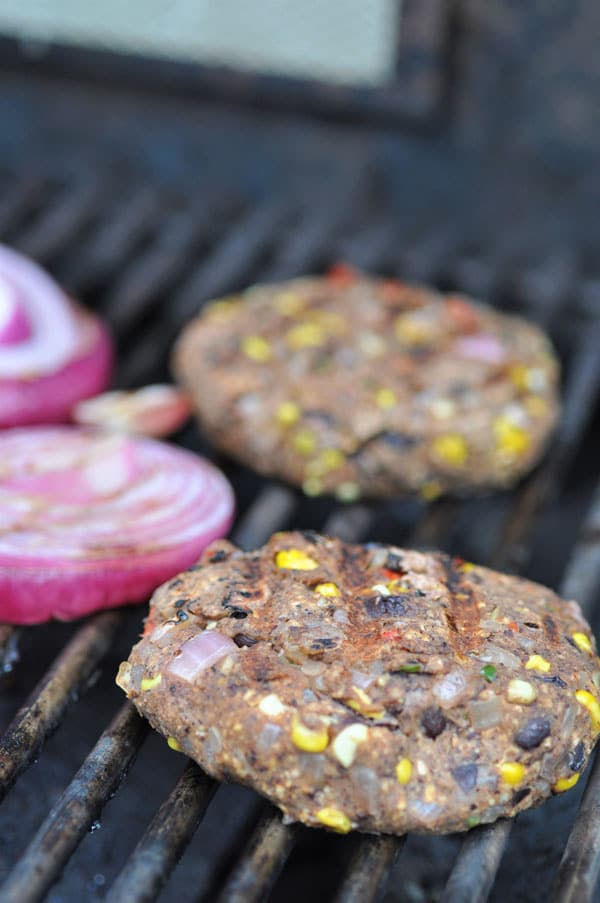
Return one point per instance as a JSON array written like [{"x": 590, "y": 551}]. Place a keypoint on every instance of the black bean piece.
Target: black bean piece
[
  {"x": 219, "y": 555},
  {"x": 555, "y": 679},
  {"x": 385, "y": 606},
  {"x": 433, "y": 722},
  {"x": 394, "y": 562},
  {"x": 577, "y": 757},
  {"x": 238, "y": 613},
  {"x": 533, "y": 732},
  {"x": 465, "y": 776},
  {"x": 181, "y": 602},
  {"x": 324, "y": 416},
  {"x": 241, "y": 639},
  {"x": 458, "y": 389},
  {"x": 181, "y": 616},
  {"x": 399, "y": 440},
  {"x": 323, "y": 643},
  {"x": 519, "y": 795},
  {"x": 311, "y": 536},
  {"x": 532, "y": 625}
]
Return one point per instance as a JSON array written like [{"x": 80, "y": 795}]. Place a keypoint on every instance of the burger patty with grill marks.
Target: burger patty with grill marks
[
  {"x": 369, "y": 687},
  {"x": 360, "y": 386}
]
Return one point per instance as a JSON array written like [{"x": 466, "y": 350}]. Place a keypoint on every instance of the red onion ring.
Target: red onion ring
[
  {"x": 52, "y": 353},
  {"x": 90, "y": 520}
]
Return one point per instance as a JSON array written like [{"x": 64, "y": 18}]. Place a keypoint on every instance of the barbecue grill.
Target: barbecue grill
[{"x": 146, "y": 205}]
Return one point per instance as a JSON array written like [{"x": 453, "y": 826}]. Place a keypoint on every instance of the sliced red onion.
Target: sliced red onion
[
  {"x": 155, "y": 411},
  {"x": 14, "y": 323},
  {"x": 481, "y": 347},
  {"x": 501, "y": 656},
  {"x": 312, "y": 668},
  {"x": 90, "y": 520},
  {"x": 200, "y": 653},
  {"x": 450, "y": 688},
  {"x": 423, "y": 813},
  {"x": 485, "y": 713},
  {"x": 52, "y": 353},
  {"x": 362, "y": 680}
]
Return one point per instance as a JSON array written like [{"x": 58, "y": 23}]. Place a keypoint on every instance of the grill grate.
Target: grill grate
[{"x": 147, "y": 256}]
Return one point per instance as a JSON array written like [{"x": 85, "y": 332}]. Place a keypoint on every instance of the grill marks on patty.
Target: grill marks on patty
[{"x": 462, "y": 611}]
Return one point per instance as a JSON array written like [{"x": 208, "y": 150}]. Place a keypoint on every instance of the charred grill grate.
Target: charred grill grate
[{"x": 147, "y": 255}]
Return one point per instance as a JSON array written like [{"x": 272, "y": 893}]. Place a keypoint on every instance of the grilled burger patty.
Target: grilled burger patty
[
  {"x": 369, "y": 687},
  {"x": 363, "y": 386}
]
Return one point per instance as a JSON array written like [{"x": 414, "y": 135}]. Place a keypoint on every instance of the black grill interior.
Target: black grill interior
[{"x": 145, "y": 208}]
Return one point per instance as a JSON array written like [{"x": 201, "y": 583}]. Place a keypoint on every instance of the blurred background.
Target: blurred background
[
  {"x": 154, "y": 155},
  {"x": 347, "y": 40}
]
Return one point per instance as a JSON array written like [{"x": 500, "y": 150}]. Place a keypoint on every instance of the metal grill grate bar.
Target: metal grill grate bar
[
  {"x": 368, "y": 248},
  {"x": 580, "y": 865},
  {"x": 261, "y": 862},
  {"x": 545, "y": 284},
  {"x": 580, "y": 581},
  {"x": 115, "y": 241},
  {"x": 66, "y": 824},
  {"x": 61, "y": 223},
  {"x": 350, "y": 523},
  {"x": 321, "y": 225},
  {"x": 41, "y": 714},
  {"x": 18, "y": 198},
  {"x": 143, "y": 283},
  {"x": 169, "y": 833},
  {"x": 235, "y": 256},
  {"x": 230, "y": 265},
  {"x": 477, "y": 863},
  {"x": 370, "y": 869},
  {"x": 274, "y": 506}
]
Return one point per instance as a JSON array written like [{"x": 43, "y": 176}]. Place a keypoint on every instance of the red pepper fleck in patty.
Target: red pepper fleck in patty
[{"x": 341, "y": 274}]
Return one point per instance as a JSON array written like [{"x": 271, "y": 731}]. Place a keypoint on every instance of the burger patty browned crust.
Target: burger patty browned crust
[{"x": 367, "y": 686}]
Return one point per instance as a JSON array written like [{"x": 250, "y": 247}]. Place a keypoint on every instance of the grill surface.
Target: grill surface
[{"x": 146, "y": 214}]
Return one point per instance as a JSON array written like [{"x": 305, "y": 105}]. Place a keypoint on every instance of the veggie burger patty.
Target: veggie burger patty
[
  {"x": 369, "y": 687},
  {"x": 359, "y": 386}
]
